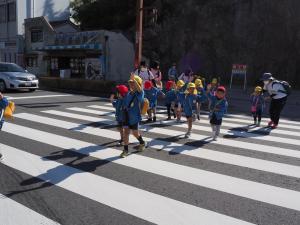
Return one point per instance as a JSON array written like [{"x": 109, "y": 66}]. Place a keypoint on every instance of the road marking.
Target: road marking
[
  {"x": 159, "y": 144},
  {"x": 263, "y": 165},
  {"x": 242, "y": 161},
  {"x": 143, "y": 204},
  {"x": 39, "y": 96},
  {"x": 242, "y": 134},
  {"x": 226, "y": 118},
  {"x": 13, "y": 213},
  {"x": 237, "y": 186}
]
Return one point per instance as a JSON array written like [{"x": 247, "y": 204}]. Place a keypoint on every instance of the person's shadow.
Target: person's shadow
[
  {"x": 60, "y": 173},
  {"x": 246, "y": 132}
]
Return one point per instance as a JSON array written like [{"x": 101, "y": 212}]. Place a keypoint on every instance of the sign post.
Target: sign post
[{"x": 239, "y": 70}]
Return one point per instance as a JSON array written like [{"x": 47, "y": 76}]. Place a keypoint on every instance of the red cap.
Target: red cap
[
  {"x": 148, "y": 85},
  {"x": 122, "y": 89},
  {"x": 169, "y": 85},
  {"x": 221, "y": 88}
]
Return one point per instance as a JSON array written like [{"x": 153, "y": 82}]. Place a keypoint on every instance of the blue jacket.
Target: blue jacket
[
  {"x": 134, "y": 109},
  {"x": 180, "y": 95},
  {"x": 217, "y": 106},
  {"x": 189, "y": 103},
  {"x": 173, "y": 72},
  {"x": 3, "y": 105},
  {"x": 202, "y": 97},
  {"x": 152, "y": 96},
  {"x": 258, "y": 101},
  {"x": 118, "y": 105},
  {"x": 170, "y": 96}
]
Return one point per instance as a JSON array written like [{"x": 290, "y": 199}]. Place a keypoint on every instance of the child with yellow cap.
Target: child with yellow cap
[
  {"x": 132, "y": 113},
  {"x": 257, "y": 104},
  {"x": 189, "y": 106},
  {"x": 180, "y": 89},
  {"x": 201, "y": 92}
]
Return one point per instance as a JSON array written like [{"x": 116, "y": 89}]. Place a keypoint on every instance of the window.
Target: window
[
  {"x": 5, "y": 67},
  {"x": 32, "y": 61},
  {"x": 54, "y": 63},
  {"x": 36, "y": 36},
  {"x": 11, "y": 12},
  {"x": 2, "y": 14}
]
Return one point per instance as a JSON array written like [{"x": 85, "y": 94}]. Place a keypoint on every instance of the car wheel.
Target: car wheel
[
  {"x": 32, "y": 90},
  {"x": 2, "y": 86}
]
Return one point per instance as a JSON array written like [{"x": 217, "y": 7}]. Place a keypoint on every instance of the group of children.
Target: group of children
[{"x": 180, "y": 97}]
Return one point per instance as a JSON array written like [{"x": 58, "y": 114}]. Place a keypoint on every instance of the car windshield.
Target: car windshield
[{"x": 10, "y": 68}]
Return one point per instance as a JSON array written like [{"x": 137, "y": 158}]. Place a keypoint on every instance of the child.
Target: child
[
  {"x": 257, "y": 105},
  {"x": 170, "y": 98},
  {"x": 180, "y": 89},
  {"x": 189, "y": 105},
  {"x": 3, "y": 105},
  {"x": 122, "y": 91},
  {"x": 201, "y": 92},
  {"x": 151, "y": 93},
  {"x": 214, "y": 85},
  {"x": 132, "y": 113},
  {"x": 217, "y": 107}
]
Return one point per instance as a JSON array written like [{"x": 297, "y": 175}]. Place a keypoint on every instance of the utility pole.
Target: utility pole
[{"x": 139, "y": 33}]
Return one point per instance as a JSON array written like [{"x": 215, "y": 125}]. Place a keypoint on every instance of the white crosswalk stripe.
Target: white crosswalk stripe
[
  {"x": 236, "y": 120},
  {"x": 203, "y": 128},
  {"x": 13, "y": 213},
  {"x": 245, "y": 117},
  {"x": 159, "y": 144},
  {"x": 147, "y": 205},
  {"x": 207, "y": 153}
]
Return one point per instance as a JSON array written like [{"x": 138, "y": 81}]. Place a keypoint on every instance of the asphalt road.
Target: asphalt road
[{"x": 61, "y": 165}]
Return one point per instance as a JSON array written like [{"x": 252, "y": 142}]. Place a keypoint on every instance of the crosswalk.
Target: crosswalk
[{"x": 249, "y": 176}]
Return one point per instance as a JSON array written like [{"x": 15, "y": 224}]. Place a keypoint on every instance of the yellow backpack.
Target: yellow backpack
[
  {"x": 145, "y": 106},
  {"x": 9, "y": 110}
]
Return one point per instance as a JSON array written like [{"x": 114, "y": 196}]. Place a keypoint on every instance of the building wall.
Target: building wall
[
  {"x": 10, "y": 31},
  {"x": 52, "y": 9},
  {"x": 119, "y": 57}
]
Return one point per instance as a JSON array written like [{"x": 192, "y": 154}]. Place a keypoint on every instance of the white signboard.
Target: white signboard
[{"x": 239, "y": 70}]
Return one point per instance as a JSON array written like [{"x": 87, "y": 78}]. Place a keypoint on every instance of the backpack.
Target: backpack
[
  {"x": 9, "y": 110},
  {"x": 287, "y": 87}
]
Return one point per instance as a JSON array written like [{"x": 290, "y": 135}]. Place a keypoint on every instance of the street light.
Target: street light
[{"x": 139, "y": 33}]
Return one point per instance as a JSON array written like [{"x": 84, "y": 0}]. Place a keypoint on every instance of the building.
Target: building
[
  {"x": 55, "y": 47},
  {"x": 12, "y": 15}
]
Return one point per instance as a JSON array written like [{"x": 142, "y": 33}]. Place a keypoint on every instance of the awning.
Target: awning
[{"x": 69, "y": 47}]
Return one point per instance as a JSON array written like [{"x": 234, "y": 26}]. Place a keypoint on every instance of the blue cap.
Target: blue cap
[{"x": 267, "y": 76}]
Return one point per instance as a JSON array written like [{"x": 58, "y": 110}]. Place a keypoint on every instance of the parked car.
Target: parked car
[{"x": 15, "y": 77}]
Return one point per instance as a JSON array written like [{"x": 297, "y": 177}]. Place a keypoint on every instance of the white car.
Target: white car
[{"x": 15, "y": 77}]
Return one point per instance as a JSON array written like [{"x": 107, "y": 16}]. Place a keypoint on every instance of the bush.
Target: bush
[{"x": 81, "y": 85}]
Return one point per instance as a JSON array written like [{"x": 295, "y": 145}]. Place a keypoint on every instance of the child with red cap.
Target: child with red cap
[
  {"x": 217, "y": 108},
  {"x": 121, "y": 92},
  {"x": 170, "y": 98},
  {"x": 151, "y": 93}
]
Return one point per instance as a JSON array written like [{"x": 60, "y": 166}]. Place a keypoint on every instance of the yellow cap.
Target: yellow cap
[
  {"x": 138, "y": 80},
  {"x": 191, "y": 85},
  {"x": 198, "y": 83},
  {"x": 258, "y": 89},
  {"x": 214, "y": 81},
  {"x": 180, "y": 84}
]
